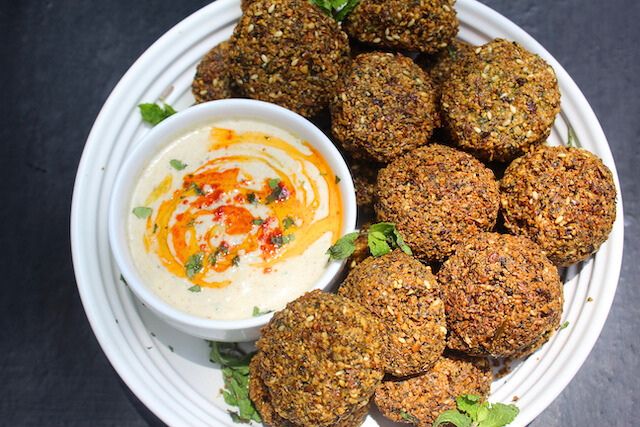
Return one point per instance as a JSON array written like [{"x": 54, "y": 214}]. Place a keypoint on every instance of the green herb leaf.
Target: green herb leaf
[
  {"x": 498, "y": 415},
  {"x": 409, "y": 417},
  {"x": 384, "y": 237},
  {"x": 252, "y": 198},
  {"x": 193, "y": 265},
  {"x": 258, "y": 221},
  {"x": 177, "y": 164},
  {"x": 281, "y": 240},
  {"x": 235, "y": 372},
  {"x": 344, "y": 247},
  {"x": 154, "y": 113},
  {"x": 197, "y": 189},
  {"x": 454, "y": 417},
  {"x": 469, "y": 404},
  {"x": 563, "y": 325},
  {"x": 257, "y": 312},
  {"x": 338, "y": 179},
  {"x": 142, "y": 212},
  {"x": 195, "y": 288},
  {"x": 274, "y": 183},
  {"x": 288, "y": 222},
  {"x": 337, "y": 9}
]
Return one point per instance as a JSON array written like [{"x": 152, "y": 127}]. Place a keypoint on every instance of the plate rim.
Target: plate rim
[{"x": 140, "y": 388}]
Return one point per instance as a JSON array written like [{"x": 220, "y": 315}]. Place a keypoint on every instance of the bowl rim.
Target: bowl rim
[{"x": 163, "y": 134}]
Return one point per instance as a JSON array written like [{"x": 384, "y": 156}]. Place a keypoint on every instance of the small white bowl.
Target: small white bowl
[{"x": 165, "y": 133}]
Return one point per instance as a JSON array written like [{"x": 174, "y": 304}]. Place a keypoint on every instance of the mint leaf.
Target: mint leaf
[
  {"x": 153, "y": 113},
  {"x": 235, "y": 372},
  {"x": 142, "y": 212},
  {"x": 384, "y": 237},
  {"x": 454, "y": 417},
  {"x": 193, "y": 265},
  {"x": 195, "y": 288},
  {"x": 337, "y": 9},
  {"x": 344, "y": 247},
  {"x": 177, "y": 164},
  {"x": 499, "y": 415},
  {"x": 469, "y": 404}
]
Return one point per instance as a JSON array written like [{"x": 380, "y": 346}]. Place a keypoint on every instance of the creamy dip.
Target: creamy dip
[{"x": 233, "y": 219}]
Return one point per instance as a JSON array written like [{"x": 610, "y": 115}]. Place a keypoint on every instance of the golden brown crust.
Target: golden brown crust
[
  {"x": 502, "y": 103},
  {"x": 437, "y": 196},
  {"x": 212, "y": 80},
  {"x": 564, "y": 199},
  {"x": 501, "y": 295},
  {"x": 320, "y": 359},
  {"x": 443, "y": 63},
  {"x": 423, "y": 398},
  {"x": 405, "y": 296},
  {"x": 384, "y": 107},
  {"x": 288, "y": 52},
  {"x": 424, "y": 26}
]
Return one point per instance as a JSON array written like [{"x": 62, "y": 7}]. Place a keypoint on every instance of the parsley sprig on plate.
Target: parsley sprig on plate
[
  {"x": 472, "y": 412},
  {"x": 235, "y": 371},
  {"x": 154, "y": 113},
  {"x": 382, "y": 238}
]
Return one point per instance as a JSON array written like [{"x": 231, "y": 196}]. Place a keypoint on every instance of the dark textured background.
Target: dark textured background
[{"x": 61, "y": 59}]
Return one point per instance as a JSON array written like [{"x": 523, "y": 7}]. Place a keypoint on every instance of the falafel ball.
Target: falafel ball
[
  {"x": 212, "y": 80},
  {"x": 423, "y": 26},
  {"x": 405, "y": 296},
  {"x": 502, "y": 103},
  {"x": 440, "y": 65},
  {"x": 564, "y": 199},
  {"x": 384, "y": 107},
  {"x": 261, "y": 398},
  {"x": 364, "y": 174},
  {"x": 290, "y": 53},
  {"x": 421, "y": 399},
  {"x": 437, "y": 196},
  {"x": 501, "y": 295},
  {"x": 319, "y": 359}
]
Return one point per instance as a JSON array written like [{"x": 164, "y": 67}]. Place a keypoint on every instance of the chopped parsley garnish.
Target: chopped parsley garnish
[
  {"x": 258, "y": 221},
  {"x": 337, "y": 9},
  {"x": 223, "y": 249},
  {"x": 382, "y": 238},
  {"x": 236, "y": 260},
  {"x": 278, "y": 191},
  {"x": 472, "y": 412},
  {"x": 235, "y": 372},
  {"x": 153, "y": 113},
  {"x": 142, "y": 212},
  {"x": 281, "y": 239},
  {"x": 197, "y": 189},
  {"x": 177, "y": 164},
  {"x": 338, "y": 179},
  {"x": 252, "y": 198},
  {"x": 288, "y": 222},
  {"x": 193, "y": 265},
  {"x": 155, "y": 228},
  {"x": 195, "y": 288},
  {"x": 257, "y": 312}
]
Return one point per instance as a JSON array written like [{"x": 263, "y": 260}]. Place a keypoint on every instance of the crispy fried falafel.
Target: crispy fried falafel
[
  {"x": 501, "y": 103},
  {"x": 564, "y": 199},
  {"x": 212, "y": 80},
  {"x": 319, "y": 359},
  {"x": 290, "y": 53},
  {"x": 384, "y": 107},
  {"x": 405, "y": 296},
  {"x": 421, "y": 399},
  {"x": 440, "y": 65},
  {"x": 501, "y": 295},
  {"x": 437, "y": 196},
  {"x": 423, "y": 26}
]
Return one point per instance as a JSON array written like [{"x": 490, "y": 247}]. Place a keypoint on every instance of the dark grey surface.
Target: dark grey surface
[{"x": 60, "y": 60}]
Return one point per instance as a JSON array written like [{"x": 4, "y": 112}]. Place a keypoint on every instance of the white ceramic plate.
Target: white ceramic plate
[{"x": 170, "y": 371}]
